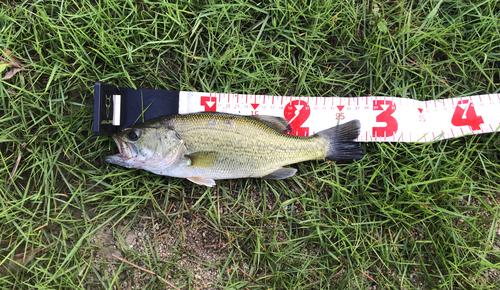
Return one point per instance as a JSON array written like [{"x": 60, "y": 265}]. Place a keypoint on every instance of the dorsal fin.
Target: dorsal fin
[{"x": 277, "y": 123}]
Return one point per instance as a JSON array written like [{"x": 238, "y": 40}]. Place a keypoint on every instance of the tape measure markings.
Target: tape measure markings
[{"x": 382, "y": 118}]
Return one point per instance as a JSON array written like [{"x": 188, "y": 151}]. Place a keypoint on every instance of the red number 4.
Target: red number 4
[{"x": 465, "y": 115}]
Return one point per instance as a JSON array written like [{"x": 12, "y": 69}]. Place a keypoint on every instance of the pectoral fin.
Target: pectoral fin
[
  {"x": 281, "y": 173},
  {"x": 203, "y": 159},
  {"x": 202, "y": 181}
]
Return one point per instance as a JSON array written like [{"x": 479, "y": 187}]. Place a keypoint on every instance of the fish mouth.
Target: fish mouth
[{"x": 126, "y": 149}]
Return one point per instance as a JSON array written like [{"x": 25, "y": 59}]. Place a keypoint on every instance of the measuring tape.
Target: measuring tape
[{"x": 383, "y": 119}]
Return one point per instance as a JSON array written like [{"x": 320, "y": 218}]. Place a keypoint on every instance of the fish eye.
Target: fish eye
[{"x": 133, "y": 136}]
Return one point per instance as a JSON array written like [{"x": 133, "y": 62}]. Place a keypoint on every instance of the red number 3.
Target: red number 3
[{"x": 388, "y": 107}]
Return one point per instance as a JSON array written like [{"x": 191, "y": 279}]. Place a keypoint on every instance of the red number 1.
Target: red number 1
[{"x": 210, "y": 103}]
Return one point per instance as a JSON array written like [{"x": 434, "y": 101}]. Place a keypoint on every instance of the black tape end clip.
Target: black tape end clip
[{"x": 118, "y": 108}]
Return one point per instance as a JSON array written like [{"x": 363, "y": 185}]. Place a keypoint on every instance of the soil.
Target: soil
[
  {"x": 188, "y": 247},
  {"x": 193, "y": 249}
]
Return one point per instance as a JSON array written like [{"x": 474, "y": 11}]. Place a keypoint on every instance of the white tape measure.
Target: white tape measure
[{"x": 382, "y": 118}]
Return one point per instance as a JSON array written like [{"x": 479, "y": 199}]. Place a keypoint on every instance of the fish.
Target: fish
[{"x": 208, "y": 146}]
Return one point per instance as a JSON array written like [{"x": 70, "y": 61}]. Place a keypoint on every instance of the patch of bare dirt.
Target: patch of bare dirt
[{"x": 192, "y": 249}]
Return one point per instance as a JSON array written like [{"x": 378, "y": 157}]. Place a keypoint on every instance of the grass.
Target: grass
[{"x": 408, "y": 216}]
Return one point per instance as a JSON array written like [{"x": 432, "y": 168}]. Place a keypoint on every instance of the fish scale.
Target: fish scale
[{"x": 267, "y": 148}]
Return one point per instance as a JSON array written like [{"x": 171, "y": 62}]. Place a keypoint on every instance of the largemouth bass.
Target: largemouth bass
[{"x": 204, "y": 147}]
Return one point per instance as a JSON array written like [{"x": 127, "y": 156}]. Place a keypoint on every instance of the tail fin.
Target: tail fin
[{"x": 340, "y": 141}]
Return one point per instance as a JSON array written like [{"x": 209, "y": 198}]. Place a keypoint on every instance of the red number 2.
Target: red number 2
[{"x": 297, "y": 112}]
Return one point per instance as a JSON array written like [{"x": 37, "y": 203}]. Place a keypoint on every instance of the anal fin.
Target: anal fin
[
  {"x": 202, "y": 181},
  {"x": 281, "y": 173}
]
